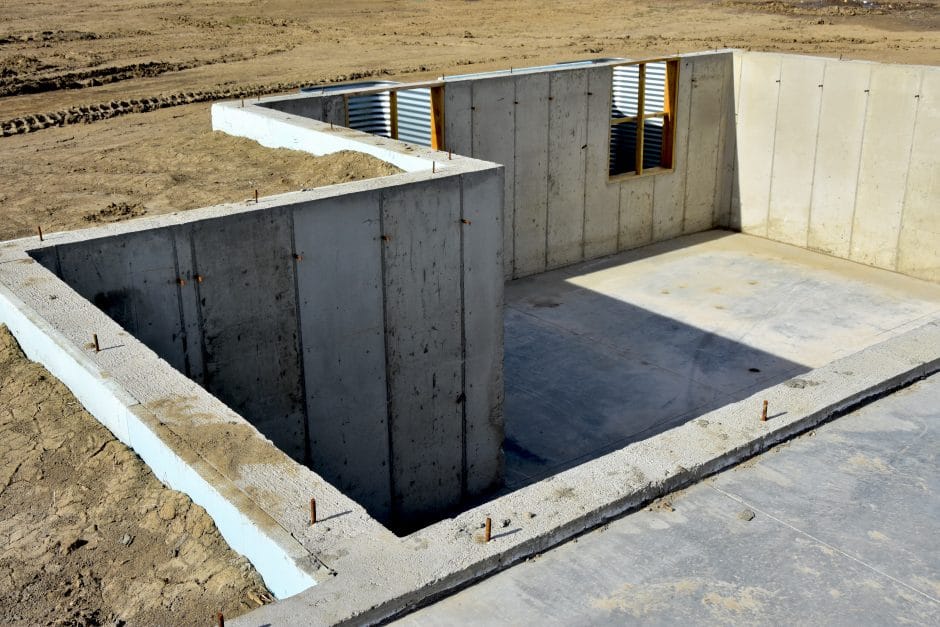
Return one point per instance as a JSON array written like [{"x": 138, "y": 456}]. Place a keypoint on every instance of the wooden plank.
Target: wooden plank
[
  {"x": 669, "y": 115},
  {"x": 437, "y": 118}
]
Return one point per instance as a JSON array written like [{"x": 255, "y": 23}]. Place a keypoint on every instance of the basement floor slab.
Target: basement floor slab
[
  {"x": 613, "y": 351},
  {"x": 836, "y": 527}
]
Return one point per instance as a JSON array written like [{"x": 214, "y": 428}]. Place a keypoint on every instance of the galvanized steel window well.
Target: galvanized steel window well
[{"x": 642, "y": 117}]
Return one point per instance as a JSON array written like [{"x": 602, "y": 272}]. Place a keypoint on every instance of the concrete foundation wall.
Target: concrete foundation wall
[
  {"x": 841, "y": 157},
  {"x": 361, "y": 333},
  {"x": 551, "y": 131}
]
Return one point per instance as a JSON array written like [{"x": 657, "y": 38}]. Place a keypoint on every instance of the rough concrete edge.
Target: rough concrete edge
[
  {"x": 284, "y": 564},
  {"x": 894, "y": 368}
]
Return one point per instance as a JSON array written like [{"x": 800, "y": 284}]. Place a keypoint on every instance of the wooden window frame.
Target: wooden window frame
[{"x": 668, "y": 115}]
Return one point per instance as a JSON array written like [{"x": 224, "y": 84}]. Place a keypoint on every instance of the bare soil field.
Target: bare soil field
[
  {"x": 88, "y": 536},
  {"x": 104, "y": 116},
  {"x": 82, "y": 175}
]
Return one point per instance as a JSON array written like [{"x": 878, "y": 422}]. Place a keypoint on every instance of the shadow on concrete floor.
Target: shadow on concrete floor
[{"x": 609, "y": 352}]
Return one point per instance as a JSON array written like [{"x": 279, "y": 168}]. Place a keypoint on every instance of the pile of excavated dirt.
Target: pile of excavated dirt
[
  {"x": 77, "y": 176},
  {"x": 88, "y": 536}
]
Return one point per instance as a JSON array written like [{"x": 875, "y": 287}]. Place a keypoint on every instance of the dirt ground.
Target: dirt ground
[
  {"x": 122, "y": 168},
  {"x": 104, "y": 116},
  {"x": 88, "y": 535}
]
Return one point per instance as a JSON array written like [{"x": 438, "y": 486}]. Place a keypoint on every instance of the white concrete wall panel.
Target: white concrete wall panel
[
  {"x": 636, "y": 213},
  {"x": 726, "y": 148},
  {"x": 343, "y": 332},
  {"x": 567, "y": 145},
  {"x": 669, "y": 195},
  {"x": 838, "y": 151},
  {"x": 305, "y": 107},
  {"x": 422, "y": 261},
  {"x": 133, "y": 280},
  {"x": 919, "y": 245},
  {"x": 531, "y": 175},
  {"x": 249, "y": 317},
  {"x": 458, "y": 118},
  {"x": 734, "y": 219},
  {"x": 334, "y": 110},
  {"x": 757, "y": 113},
  {"x": 189, "y": 307},
  {"x": 705, "y": 119},
  {"x": 886, "y": 152},
  {"x": 797, "y": 125},
  {"x": 483, "y": 330},
  {"x": 601, "y": 198},
  {"x": 494, "y": 122}
]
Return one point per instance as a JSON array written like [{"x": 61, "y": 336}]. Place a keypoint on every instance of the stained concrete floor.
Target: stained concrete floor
[
  {"x": 608, "y": 352},
  {"x": 844, "y": 532}
]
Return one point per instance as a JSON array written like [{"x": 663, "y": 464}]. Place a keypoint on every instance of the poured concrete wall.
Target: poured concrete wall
[
  {"x": 551, "y": 131},
  {"x": 361, "y": 332},
  {"x": 841, "y": 157}
]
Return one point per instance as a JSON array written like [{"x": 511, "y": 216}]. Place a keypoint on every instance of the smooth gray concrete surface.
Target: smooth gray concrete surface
[
  {"x": 609, "y": 352},
  {"x": 551, "y": 130},
  {"x": 361, "y": 333},
  {"x": 834, "y": 156},
  {"x": 837, "y": 527}
]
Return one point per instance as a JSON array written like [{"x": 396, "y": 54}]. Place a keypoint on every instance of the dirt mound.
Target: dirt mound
[
  {"x": 115, "y": 212},
  {"x": 131, "y": 170},
  {"x": 88, "y": 536}
]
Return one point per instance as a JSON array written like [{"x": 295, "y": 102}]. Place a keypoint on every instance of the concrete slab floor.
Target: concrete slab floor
[
  {"x": 836, "y": 527},
  {"x": 609, "y": 352}
]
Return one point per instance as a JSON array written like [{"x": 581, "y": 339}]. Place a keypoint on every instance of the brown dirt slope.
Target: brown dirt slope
[{"x": 88, "y": 535}]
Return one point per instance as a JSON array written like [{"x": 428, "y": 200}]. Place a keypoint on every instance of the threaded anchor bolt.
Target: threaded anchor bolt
[
  {"x": 313, "y": 512},
  {"x": 763, "y": 413},
  {"x": 487, "y": 530}
]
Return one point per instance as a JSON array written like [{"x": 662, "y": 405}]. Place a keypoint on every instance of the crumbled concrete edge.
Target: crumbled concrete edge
[{"x": 377, "y": 580}]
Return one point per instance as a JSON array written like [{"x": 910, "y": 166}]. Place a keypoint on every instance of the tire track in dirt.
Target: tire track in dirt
[{"x": 105, "y": 110}]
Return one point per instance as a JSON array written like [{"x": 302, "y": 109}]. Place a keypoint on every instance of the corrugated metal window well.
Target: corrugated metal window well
[{"x": 642, "y": 117}]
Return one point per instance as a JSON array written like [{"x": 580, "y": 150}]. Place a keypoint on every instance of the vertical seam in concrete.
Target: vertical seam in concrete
[
  {"x": 688, "y": 141},
  {"x": 584, "y": 151},
  {"x": 907, "y": 173},
  {"x": 388, "y": 378},
  {"x": 463, "y": 347},
  {"x": 812, "y": 180},
  {"x": 199, "y": 317},
  {"x": 619, "y": 203},
  {"x": 858, "y": 171},
  {"x": 472, "y": 121},
  {"x": 548, "y": 169},
  {"x": 179, "y": 303},
  {"x": 308, "y": 447},
  {"x": 773, "y": 151},
  {"x": 720, "y": 156},
  {"x": 58, "y": 263},
  {"x": 652, "y": 210},
  {"x": 515, "y": 208}
]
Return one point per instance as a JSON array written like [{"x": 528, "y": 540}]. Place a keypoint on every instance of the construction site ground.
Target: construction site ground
[{"x": 115, "y": 98}]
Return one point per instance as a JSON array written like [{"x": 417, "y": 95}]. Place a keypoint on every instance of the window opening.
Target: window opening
[{"x": 642, "y": 116}]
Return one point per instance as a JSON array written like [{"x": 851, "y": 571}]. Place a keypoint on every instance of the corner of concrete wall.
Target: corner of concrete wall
[{"x": 833, "y": 155}]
